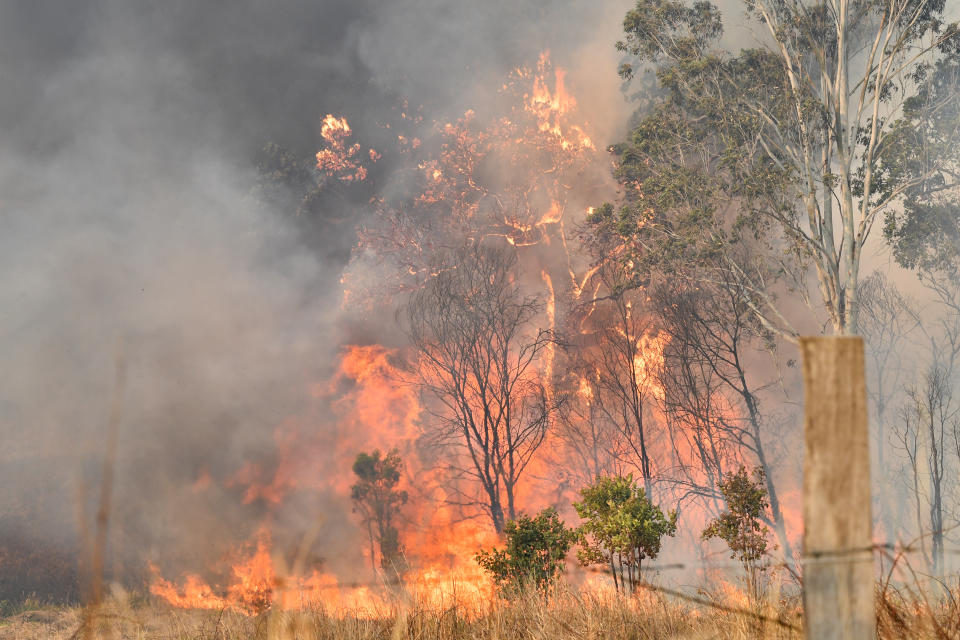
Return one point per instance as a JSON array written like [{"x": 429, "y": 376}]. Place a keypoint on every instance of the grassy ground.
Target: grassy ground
[{"x": 565, "y": 617}]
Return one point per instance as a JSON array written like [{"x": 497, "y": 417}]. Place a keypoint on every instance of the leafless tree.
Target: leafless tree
[
  {"x": 888, "y": 318},
  {"x": 929, "y": 423},
  {"x": 929, "y": 429},
  {"x": 711, "y": 396},
  {"x": 477, "y": 359}
]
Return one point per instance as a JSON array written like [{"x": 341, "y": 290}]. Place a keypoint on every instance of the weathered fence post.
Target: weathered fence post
[{"x": 838, "y": 580}]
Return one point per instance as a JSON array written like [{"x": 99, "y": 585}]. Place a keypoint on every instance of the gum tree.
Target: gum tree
[{"x": 796, "y": 141}]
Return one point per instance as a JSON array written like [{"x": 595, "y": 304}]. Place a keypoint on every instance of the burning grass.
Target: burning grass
[{"x": 599, "y": 615}]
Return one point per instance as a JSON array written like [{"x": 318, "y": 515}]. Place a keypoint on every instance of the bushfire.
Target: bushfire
[{"x": 523, "y": 178}]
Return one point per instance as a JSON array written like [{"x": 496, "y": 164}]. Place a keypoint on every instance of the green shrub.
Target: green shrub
[
  {"x": 533, "y": 558},
  {"x": 621, "y": 528},
  {"x": 741, "y": 525}
]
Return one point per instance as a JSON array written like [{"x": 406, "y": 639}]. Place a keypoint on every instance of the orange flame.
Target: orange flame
[
  {"x": 536, "y": 149},
  {"x": 553, "y": 107},
  {"x": 381, "y": 413},
  {"x": 340, "y": 158},
  {"x": 257, "y": 585}
]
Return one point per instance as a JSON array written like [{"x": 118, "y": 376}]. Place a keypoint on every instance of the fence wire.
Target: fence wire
[{"x": 821, "y": 556}]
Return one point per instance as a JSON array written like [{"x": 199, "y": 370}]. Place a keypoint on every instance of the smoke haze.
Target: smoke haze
[{"x": 131, "y": 228}]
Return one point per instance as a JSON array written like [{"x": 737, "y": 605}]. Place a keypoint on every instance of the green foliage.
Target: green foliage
[
  {"x": 925, "y": 233},
  {"x": 535, "y": 551},
  {"x": 695, "y": 183},
  {"x": 741, "y": 525},
  {"x": 621, "y": 528},
  {"x": 376, "y": 497},
  {"x": 738, "y": 163},
  {"x": 689, "y": 30}
]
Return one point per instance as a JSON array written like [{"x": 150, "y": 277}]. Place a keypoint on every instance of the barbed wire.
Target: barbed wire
[
  {"x": 818, "y": 556},
  {"x": 717, "y": 605}
]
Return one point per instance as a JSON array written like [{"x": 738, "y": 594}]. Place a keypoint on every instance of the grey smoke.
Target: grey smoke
[{"x": 128, "y": 137}]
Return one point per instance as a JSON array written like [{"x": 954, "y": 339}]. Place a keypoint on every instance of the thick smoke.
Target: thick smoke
[{"x": 132, "y": 229}]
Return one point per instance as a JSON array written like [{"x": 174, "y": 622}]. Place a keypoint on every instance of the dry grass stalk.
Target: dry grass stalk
[
  {"x": 903, "y": 613},
  {"x": 90, "y": 628}
]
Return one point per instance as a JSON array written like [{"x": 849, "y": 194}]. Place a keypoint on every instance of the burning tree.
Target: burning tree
[
  {"x": 620, "y": 353},
  {"x": 684, "y": 336},
  {"x": 376, "y": 497},
  {"x": 510, "y": 174},
  {"x": 589, "y": 439},
  {"x": 476, "y": 358}
]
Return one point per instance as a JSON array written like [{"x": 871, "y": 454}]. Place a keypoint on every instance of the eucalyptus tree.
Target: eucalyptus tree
[{"x": 802, "y": 141}]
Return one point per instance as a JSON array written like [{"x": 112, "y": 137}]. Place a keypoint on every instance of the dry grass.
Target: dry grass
[
  {"x": 915, "y": 613},
  {"x": 903, "y": 614},
  {"x": 565, "y": 616}
]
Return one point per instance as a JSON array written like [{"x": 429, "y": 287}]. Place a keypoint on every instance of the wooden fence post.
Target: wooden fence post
[{"x": 838, "y": 581}]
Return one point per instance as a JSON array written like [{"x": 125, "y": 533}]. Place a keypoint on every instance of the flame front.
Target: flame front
[
  {"x": 384, "y": 413},
  {"x": 256, "y": 584},
  {"x": 516, "y": 179}
]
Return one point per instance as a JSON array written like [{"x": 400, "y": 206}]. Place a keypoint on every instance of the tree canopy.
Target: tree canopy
[{"x": 794, "y": 147}]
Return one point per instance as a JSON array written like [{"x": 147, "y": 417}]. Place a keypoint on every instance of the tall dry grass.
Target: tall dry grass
[{"x": 566, "y": 616}]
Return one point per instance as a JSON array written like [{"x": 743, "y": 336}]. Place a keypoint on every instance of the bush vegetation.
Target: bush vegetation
[
  {"x": 621, "y": 528},
  {"x": 534, "y": 556}
]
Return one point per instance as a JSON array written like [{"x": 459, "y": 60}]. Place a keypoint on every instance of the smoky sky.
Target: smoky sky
[{"x": 129, "y": 134}]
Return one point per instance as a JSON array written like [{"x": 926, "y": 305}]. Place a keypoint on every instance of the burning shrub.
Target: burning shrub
[
  {"x": 534, "y": 555},
  {"x": 621, "y": 528},
  {"x": 741, "y": 525},
  {"x": 376, "y": 497}
]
